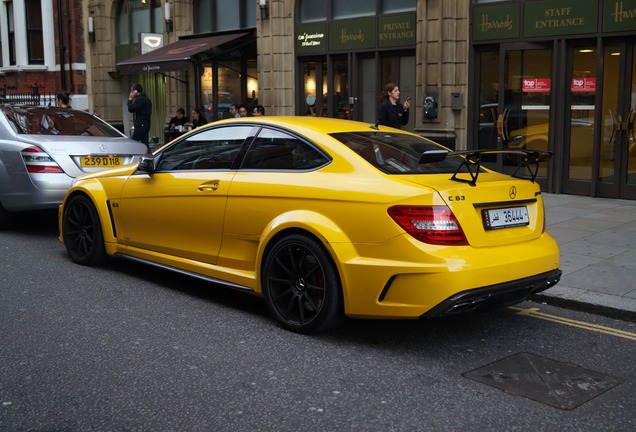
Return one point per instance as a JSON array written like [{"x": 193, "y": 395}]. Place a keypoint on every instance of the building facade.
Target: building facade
[
  {"x": 558, "y": 75},
  {"x": 255, "y": 55},
  {"x": 42, "y": 49},
  {"x": 552, "y": 75}
]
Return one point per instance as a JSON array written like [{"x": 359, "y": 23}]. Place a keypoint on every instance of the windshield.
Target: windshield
[
  {"x": 57, "y": 121},
  {"x": 397, "y": 153}
]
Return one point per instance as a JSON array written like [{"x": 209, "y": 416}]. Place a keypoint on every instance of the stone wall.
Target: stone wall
[{"x": 276, "y": 58}]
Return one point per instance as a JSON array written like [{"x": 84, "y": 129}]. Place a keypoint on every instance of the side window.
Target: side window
[
  {"x": 211, "y": 149},
  {"x": 275, "y": 150}
]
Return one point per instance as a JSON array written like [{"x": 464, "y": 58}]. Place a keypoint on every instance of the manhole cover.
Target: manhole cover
[{"x": 561, "y": 385}]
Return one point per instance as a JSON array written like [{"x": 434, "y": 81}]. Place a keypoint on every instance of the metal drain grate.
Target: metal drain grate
[{"x": 561, "y": 385}]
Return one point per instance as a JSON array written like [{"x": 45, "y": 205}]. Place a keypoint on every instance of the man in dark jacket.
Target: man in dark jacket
[{"x": 141, "y": 107}]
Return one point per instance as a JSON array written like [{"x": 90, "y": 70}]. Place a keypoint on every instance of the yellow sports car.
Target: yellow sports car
[{"x": 322, "y": 218}]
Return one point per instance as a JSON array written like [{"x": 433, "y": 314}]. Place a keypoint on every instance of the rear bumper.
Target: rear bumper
[
  {"x": 440, "y": 279},
  {"x": 495, "y": 296}
]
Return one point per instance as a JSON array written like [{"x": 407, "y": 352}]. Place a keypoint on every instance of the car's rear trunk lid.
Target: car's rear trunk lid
[
  {"x": 78, "y": 155},
  {"x": 497, "y": 210}
]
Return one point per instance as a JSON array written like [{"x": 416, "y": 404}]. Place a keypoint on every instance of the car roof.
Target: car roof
[{"x": 324, "y": 125}]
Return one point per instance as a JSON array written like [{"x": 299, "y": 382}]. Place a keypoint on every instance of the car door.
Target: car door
[
  {"x": 178, "y": 210},
  {"x": 277, "y": 176}
]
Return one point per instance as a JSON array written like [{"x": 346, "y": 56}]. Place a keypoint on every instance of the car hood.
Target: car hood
[
  {"x": 492, "y": 190},
  {"x": 68, "y": 151}
]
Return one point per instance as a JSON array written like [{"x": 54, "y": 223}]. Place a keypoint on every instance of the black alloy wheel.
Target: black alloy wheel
[
  {"x": 82, "y": 232},
  {"x": 301, "y": 285}
]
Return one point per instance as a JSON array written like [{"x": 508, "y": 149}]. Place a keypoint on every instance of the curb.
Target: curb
[{"x": 607, "y": 305}]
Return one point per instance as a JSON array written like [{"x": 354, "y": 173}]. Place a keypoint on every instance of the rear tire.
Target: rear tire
[
  {"x": 301, "y": 285},
  {"x": 82, "y": 232}
]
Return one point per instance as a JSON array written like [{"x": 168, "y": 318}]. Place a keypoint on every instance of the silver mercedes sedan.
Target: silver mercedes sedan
[{"x": 42, "y": 149}]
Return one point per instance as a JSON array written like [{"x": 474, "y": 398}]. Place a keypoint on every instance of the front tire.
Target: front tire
[
  {"x": 82, "y": 232},
  {"x": 301, "y": 285}
]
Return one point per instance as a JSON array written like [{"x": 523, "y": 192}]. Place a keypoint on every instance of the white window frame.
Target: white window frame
[{"x": 21, "y": 47}]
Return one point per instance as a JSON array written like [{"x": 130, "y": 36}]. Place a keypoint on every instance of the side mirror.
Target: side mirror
[{"x": 146, "y": 164}]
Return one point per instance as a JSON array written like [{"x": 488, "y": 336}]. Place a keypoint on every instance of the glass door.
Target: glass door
[
  {"x": 616, "y": 171},
  {"x": 580, "y": 118},
  {"x": 523, "y": 114}
]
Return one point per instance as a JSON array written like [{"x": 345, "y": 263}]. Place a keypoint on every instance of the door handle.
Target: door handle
[
  {"x": 500, "y": 128},
  {"x": 506, "y": 131},
  {"x": 616, "y": 126},
  {"x": 209, "y": 186}
]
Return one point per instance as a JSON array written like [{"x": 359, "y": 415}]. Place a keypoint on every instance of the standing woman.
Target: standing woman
[
  {"x": 62, "y": 99},
  {"x": 391, "y": 112}
]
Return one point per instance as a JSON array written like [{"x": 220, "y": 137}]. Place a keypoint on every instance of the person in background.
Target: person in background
[
  {"x": 234, "y": 111},
  {"x": 242, "y": 110},
  {"x": 62, "y": 99},
  {"x": 258, "y": 111},
  {"x": 197, "y": 119},
  {"x": 141, "y": 107},
  {"x": 179, "y": 120},
  {"x": 391, "y": 112}
]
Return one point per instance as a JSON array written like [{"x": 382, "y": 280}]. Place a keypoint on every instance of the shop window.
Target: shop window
[
  {"x": 222, "y": 15},
  {"x": 311, "y": 11},
  {"x": 392, "y": 6},
  {"x": 134, "y": 17},
  {"x": 352, "y": 8},
  {"x": 252, "y": 85},
  {"x": 123, "y": 29},
  {"x": 228, "y": 83}
]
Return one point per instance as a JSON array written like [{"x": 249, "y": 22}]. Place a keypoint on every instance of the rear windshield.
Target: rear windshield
[
  {"x": 57, "y": 121},
  {"x": 397, "y": 153}
]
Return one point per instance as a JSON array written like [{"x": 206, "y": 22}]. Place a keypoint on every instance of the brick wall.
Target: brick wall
[{"x": 49, "y": 79}]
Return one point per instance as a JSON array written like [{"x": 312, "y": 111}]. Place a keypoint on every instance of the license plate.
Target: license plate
[
  {"x": 505, "y": 217},
  {"x": 101, "y": 161}
]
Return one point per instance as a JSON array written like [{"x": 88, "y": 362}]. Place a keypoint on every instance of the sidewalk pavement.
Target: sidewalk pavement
[{"x": 597, "y": 238}]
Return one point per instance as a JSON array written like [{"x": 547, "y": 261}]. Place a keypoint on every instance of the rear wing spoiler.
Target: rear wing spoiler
[{"x": 471, "y": 159}]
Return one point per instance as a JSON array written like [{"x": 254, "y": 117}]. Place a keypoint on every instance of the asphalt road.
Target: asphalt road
[{"x": 127, "y": 347}]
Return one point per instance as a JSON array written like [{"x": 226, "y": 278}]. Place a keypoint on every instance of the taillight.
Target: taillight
[
  {"x": 544, "y": 221},
  {"x": 37, "y": 161},
  {"x": 430, "y": 224}
]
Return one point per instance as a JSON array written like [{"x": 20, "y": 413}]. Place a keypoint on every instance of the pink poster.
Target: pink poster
[
  {"x": 529, "y": 85},
  {"x": 587, "y": 85}
]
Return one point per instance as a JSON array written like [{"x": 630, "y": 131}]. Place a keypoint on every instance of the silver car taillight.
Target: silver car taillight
[{"x": 37, "y": 160}]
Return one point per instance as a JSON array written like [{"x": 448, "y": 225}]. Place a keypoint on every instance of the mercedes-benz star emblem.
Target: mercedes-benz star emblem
[{"x": 513, "y": 192}]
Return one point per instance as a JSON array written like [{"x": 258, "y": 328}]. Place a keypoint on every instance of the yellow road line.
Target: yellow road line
[{"x": 535, "y": 313}]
